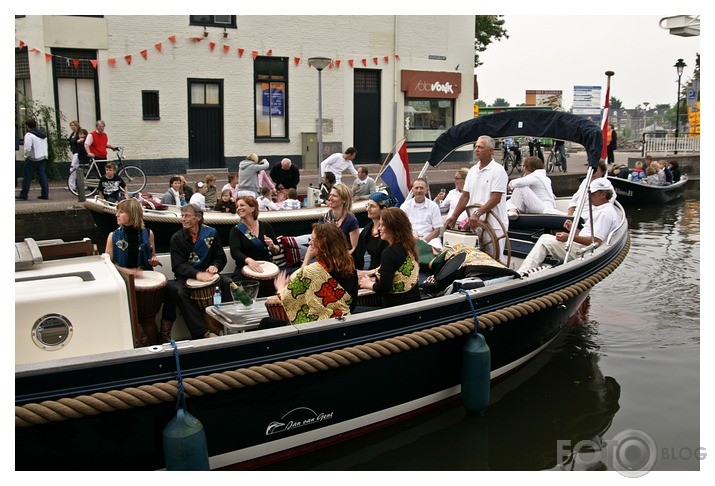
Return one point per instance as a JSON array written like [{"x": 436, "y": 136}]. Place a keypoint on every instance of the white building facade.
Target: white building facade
[{"x": 204, "y": 91}]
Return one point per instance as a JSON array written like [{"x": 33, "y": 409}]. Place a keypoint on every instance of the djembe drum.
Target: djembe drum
[
  {"x": 202, "y": 293},
  {"x": 150, "y": 289},
  {"x": 275, "y": 308},
  {"x": 265, "y": 279}
]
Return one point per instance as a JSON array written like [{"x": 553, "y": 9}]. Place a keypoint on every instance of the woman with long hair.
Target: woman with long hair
[
  {"x": 327, "y": 287},
  {"x": 398, "y": 275},
  {"x": 450, "y": 199},
  {"x": 369, "y": 241},
  {"x": 252, "y": 241}
]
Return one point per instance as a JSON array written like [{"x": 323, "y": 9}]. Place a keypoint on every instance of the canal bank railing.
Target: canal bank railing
[{"x": 670, "y": 145}]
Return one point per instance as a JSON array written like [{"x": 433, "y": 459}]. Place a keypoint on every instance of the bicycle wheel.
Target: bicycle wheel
[
  {"x": 508, "y": 163},
  {"x": 550, "y": 162},
  {"x": 560, "y": 162},
  {"x": 91, "y": 181},
  {"x": 134, "y": 178}
]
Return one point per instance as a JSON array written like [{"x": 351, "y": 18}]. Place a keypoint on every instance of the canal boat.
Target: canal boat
[
  {"x": 635, "y": 193},
  {"x": 86, "y": 398}
]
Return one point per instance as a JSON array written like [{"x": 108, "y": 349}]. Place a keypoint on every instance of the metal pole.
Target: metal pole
[
  {"x": 320, "y": 123},
  {"x": 677, "y": 115}
]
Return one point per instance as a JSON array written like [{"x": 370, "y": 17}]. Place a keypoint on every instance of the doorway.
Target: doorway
[
  {"x": 206, "y": 124},
  {"x": 367, "y": 116}
]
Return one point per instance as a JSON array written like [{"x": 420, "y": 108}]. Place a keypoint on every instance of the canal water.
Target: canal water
[{"x": 620, "y": 390}]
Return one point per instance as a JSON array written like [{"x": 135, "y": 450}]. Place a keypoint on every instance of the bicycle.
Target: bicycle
[
  {"x": 133, "y": 176},
  {"x": 555, "y": 159},
  {"x": 511, "y": 162}
]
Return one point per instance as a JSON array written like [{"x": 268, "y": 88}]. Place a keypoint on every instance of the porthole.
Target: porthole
[{"x": 51, "y": 332}]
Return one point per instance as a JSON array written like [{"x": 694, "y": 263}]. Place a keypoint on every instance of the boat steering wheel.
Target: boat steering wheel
[{"x": 487, "y": 236}]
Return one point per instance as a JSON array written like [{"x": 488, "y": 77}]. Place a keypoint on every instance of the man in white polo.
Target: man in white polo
[
  {"x": 424, "y": 214},
  {"x": 485, "y": 184}
]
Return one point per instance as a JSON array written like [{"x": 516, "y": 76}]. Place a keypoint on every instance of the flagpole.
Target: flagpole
[
  {"x": 387, "y": 157},
  {"x": 589, "y": 175}
]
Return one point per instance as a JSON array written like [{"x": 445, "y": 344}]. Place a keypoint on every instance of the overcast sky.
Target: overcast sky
[{"x": 547, "y": 52}]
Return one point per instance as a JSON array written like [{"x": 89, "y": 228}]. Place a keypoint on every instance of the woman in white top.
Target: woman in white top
[
  {"x": 450, "y": 200},
  {"x": 199, "y": 197},
  {"x": 532, "y": 193}
]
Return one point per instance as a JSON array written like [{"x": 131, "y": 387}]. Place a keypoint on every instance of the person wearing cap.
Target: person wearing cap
[
  {"x": 605, "y": 220},
  {"x": 369, "y": 241},
  {"x": 285, "y": 175},
  {"x": 600, "y": 172}
]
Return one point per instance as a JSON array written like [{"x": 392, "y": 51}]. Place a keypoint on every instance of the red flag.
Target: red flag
[
  {"x": 158, "y": 46},
  {"x": 374, "y": 59},
  {"x": 143, "y": 53},
  {"x": 240, "y": 52},
  {"x": 337, "y": 63},
  {"x": 212, "y": 45},
  {"x": 296, "y": 60},
  {"x": 128, "y": 58},
  {"x": 22, "y": 44},
  {"x": 351, "y": 62},
  {"x": 48, "y": 57},
  {"x": 172, "y": 38},
  {"x": 397, "y": 56},
  {"x": 255, "y": 54},
  {"x": 387, "y": 59},
  {"x": 76, "y": 63},
  {"x": 111, "y": 61},
  {"x": 33, "y": 50},
  {"x": 270, "y": 52},
  {"x": 226, "y": 49},
  {"x": 330, "y": 66},
  {"x": 604, "y": 120},
  {"x": 94, "y": 63},
  {"x": 364, "y": 62}
]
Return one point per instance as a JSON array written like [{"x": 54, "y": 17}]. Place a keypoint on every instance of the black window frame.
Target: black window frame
[
  {"x": 271, "y": 76},
  {"x": 210, "y": 21},
  {"x": 150, "y": 100}
]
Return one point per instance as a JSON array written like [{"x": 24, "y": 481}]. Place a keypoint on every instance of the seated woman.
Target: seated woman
[
  {"x": 252, "y": 241},
  {"x": 131, "y": 248},
  {"x": 396, "y": 281},
  {"x": 340, "y": 203},
  {"x": 172, "y": 197},
  {"x": 532, "y": 193},
  {"x": 326, "y": 183},
  {"x": 450, "y": 200},
  {"x": 324, "y": 289},
  {"x": 369, "y": 240}
]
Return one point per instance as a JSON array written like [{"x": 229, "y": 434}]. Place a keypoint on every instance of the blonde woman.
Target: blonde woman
[{"x": 248, "y": 171}]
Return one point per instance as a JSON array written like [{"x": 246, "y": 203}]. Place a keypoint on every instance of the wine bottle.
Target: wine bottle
[{"x": 240, "y": 294}]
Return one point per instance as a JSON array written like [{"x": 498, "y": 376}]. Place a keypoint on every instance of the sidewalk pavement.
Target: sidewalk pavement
[{"x": 61, "y": 199}]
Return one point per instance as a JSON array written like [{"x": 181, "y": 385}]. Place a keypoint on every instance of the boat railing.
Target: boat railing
[{"x": 621, "y": 222}]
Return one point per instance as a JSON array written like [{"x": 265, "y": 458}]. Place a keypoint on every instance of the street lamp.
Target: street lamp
[
  {"x": 679, "y": 67},
  {"x": 320, "y": 63},
  {"x": 645, "y": 115}
]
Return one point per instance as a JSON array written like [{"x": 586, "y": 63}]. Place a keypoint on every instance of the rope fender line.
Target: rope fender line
[{"x": 86, "y": 405}]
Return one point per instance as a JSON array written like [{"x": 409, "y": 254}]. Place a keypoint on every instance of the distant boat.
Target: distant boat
[{"x": 632, "y": 193}]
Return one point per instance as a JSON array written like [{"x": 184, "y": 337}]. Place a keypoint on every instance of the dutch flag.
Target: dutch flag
[{"x": 397, "y": 174}]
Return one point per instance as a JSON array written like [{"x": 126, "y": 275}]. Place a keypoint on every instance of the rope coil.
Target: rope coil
[{"x": 84, "y": 405}]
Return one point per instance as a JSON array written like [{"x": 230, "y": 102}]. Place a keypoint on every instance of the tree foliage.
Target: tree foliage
[
  {"x": 487, "y": 29},
  {"x": 500, "y": 102}
]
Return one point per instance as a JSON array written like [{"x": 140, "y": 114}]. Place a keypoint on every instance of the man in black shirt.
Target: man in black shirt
[{"x": 285, "y": 175}]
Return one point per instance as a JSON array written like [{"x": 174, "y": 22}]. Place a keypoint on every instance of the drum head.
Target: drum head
[
  {"x": 270, "y": 270},
  {"x": 193, "y": 283},
  {"x": 150, "y": 280}
]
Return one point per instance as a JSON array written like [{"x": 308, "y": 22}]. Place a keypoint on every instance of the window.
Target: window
[
  {"x": 76, "y": 86},
  {"x": 150, "y": 105},
  {"x": 213, "y": 20},
  {"x": 271, "y": 92},
  {"x": 426, "y": 119},
  {"x": 23, "y": 89}
]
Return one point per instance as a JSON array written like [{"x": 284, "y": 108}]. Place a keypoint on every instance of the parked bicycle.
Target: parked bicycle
[
  {"x": 133, "y": 176},
  {"x": 512, "y": 157},
  {"x": 555, "y": 159}
]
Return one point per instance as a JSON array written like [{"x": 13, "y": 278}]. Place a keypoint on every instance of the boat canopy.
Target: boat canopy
[{"x": 522, "y": 123}]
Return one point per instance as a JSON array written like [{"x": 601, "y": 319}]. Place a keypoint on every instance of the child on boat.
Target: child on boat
[{"x": 638, "y": 175}]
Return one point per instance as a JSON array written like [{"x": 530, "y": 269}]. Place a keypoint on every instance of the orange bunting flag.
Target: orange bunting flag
[
  {"x": 94, "y": 63},
  {"x": 226, "y": 49},
  {"x": 374, "y": 59},
  {"x": 197, "y": 39},
  {"x": 172, "y": 38},
  {"x": 397, "y": 56},
  {"x": 111, "y": 61},
  {"x": 270, "y": 52},
  {"x": 33, "y": 50},
  {"x": 128, "y": 58},
  {"x": 255, "y": 54},
  {"x": 364, "y": 62},
  {"x": 158, "y": 46},
  {"x": 22, "y": 44},
  {"x": 240, "y": 52},
  {"x": 212, "y": 45},
  {"x": 387, "y": 59},
  {"x": 330, "y": 66},
  {"x": 296, "y": 60},
  {"x": 337, "y": 63},
  {"x": 76, "y": 63},
  {"x": 48, "y": 57},
  {"x": 143, "y": 53},
  {"x": 351, "y": 62}
]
